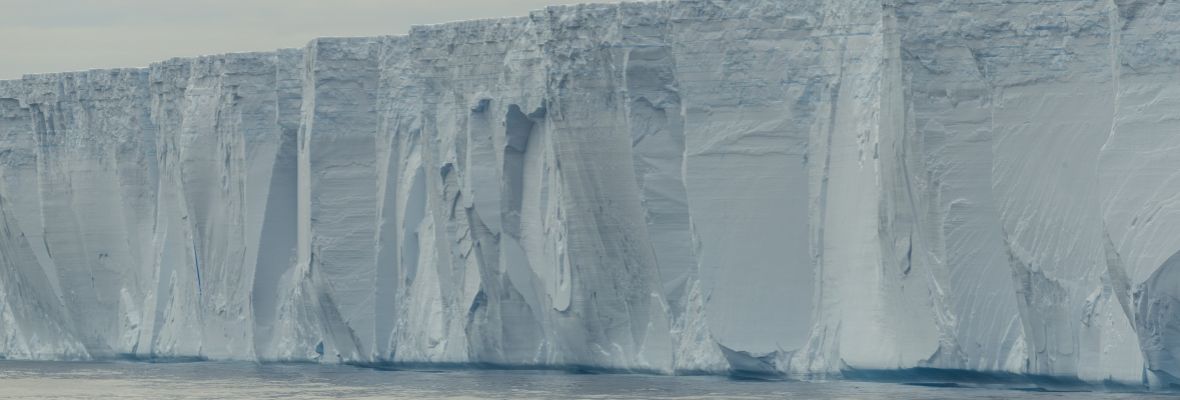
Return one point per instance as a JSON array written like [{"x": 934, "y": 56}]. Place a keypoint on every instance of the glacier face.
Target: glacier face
[{"x": 758, "y": 185}]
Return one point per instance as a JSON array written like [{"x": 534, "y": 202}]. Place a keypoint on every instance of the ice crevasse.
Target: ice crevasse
[{"x": 784, "y": 187}]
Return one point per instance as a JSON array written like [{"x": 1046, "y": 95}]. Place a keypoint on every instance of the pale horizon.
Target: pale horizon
[{"x": 53, "y": 36}]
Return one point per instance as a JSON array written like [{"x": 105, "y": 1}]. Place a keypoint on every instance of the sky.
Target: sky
[{"x": 69, "y": 35}]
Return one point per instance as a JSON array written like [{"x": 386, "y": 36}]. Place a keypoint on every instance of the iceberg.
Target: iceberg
[{"x": 754, "y": 186}]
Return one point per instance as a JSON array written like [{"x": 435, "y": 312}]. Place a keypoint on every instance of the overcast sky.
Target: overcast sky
[{"x": 69, "y": 35}]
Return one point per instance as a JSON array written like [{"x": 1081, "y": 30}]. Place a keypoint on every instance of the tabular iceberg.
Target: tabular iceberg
[{"x": 797, "y": 187}]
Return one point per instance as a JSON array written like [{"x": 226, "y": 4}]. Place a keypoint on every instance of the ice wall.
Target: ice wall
[{"x": 760, "y": 186}]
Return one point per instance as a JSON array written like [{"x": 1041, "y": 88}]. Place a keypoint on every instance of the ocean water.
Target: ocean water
[{"x": 217, "y": 380}]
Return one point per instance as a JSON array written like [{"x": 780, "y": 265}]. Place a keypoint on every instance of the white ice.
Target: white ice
[{"x": 799, "y": 187}]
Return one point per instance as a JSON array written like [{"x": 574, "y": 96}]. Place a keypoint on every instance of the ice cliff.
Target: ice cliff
[{"x": 800, "y": 187}]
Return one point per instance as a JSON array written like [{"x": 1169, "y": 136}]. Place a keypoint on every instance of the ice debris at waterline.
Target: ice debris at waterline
[{"x": 770, "y": 186}]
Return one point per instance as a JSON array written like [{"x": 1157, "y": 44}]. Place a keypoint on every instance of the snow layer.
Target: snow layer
[{"x": 801, "y": 187}]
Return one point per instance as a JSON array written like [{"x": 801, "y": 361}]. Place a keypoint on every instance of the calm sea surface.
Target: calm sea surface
[{"x": 215, "y": 380}]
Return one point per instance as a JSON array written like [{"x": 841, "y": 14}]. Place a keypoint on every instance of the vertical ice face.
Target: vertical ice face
[
  {"x": 1136, "y": 180},
  {"x": 956, "y": 233},
  {"x": 872, "y": 310},
  {"x": 338, "y": 145},
  {"x": 605, "y": 294},
  {"x": 276, "y": 208},
  {"x": 1009, "y": 114},
  {"x": 751, "y": 185},
  {"x": 75, "y": 191},
  {"x": 226, "y": 131},
  {"x": 741, "y": 166},
  {"x": 33, "y": 319}
]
